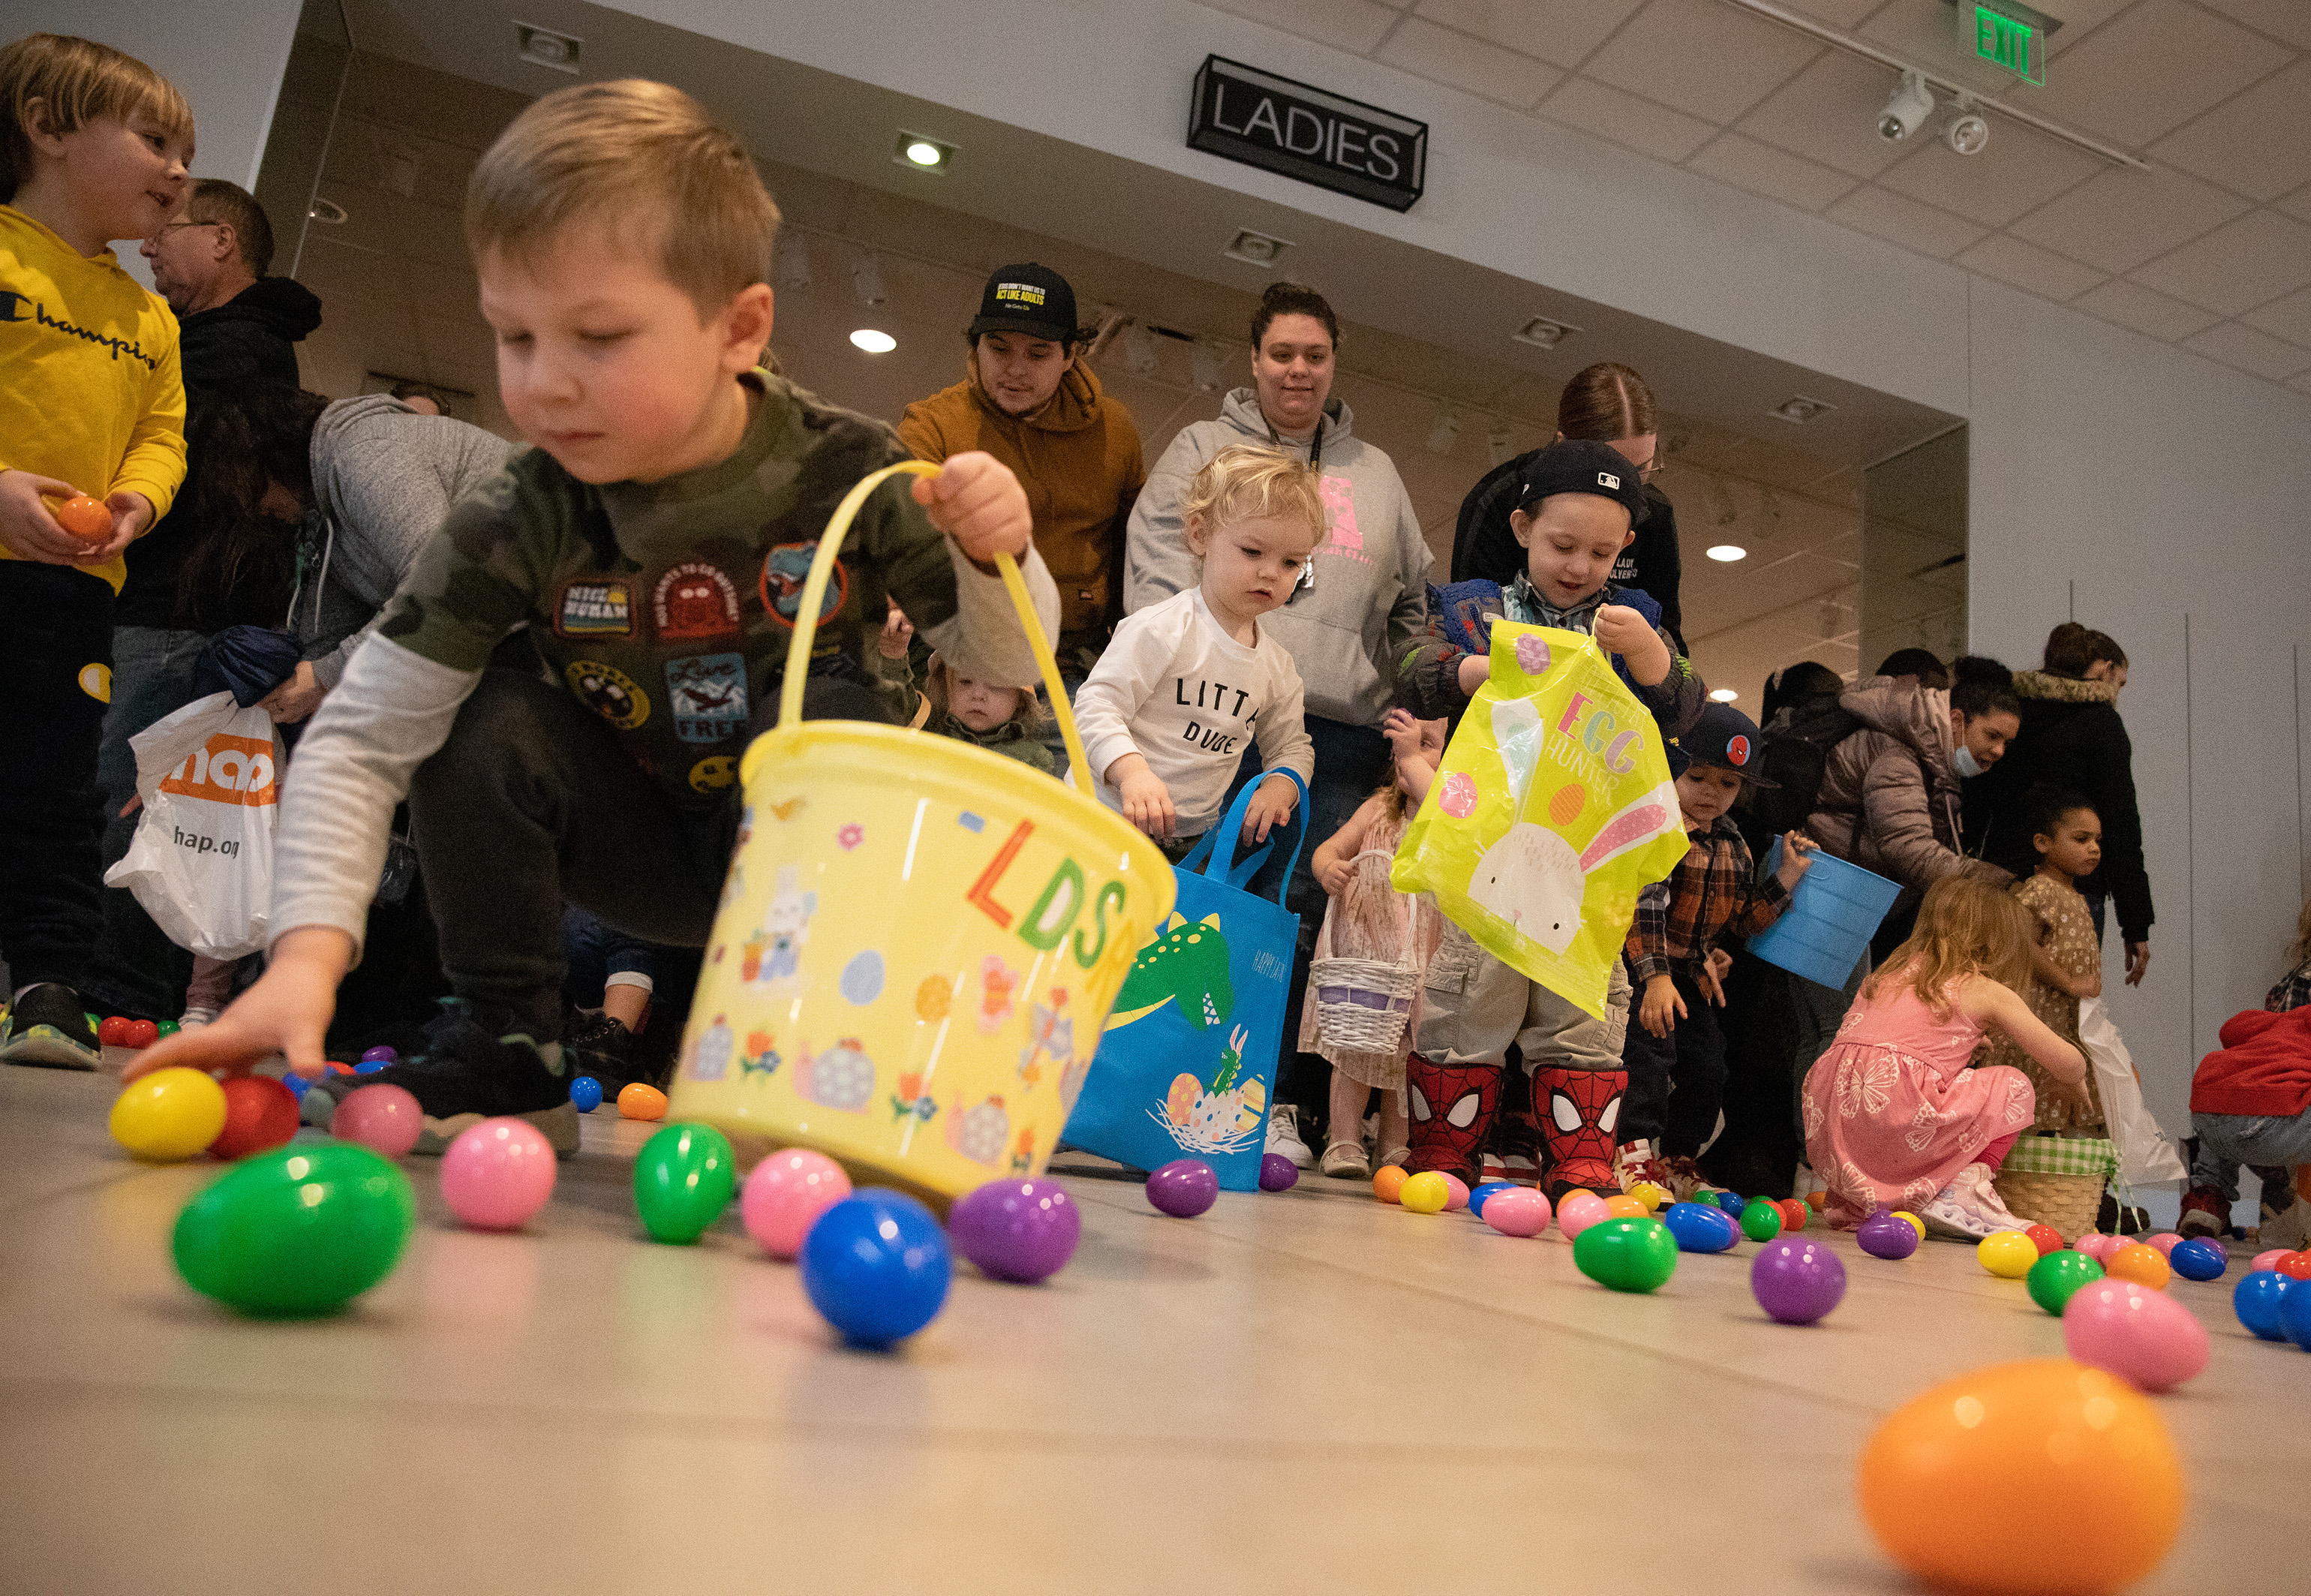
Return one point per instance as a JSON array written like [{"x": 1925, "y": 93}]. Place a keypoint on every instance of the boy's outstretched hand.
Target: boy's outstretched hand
[
  {"x": 287, "y": 1011},
  {"x": 1620, "y": 630},
  {"x": 977, "y": 502},
  {"x": 1795, "y": 846}
]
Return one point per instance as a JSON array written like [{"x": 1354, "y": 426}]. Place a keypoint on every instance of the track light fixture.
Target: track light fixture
[
  {"x": 1912, "y": 105},
  {"x": 1966, "y": 132}
]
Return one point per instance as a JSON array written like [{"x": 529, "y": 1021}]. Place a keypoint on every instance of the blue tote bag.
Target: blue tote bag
[{"x": 1187, "y": 1062}]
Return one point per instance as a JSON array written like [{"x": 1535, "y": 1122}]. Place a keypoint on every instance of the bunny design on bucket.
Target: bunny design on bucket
[
  {"x": 772, "y": 955},
  {"x": 1531, "y": 877}
]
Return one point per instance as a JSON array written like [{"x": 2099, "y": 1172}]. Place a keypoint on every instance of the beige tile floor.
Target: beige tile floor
[{"x": 1296, "y": 1393}]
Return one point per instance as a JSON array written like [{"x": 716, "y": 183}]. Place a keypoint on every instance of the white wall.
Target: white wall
[
  {"x": 2159, "y": 481},
  {"x": 225, "y": 57}
]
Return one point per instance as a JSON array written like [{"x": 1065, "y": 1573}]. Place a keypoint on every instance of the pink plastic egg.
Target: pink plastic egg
[
  {"x": 498, "y": 1174},
  {"x": 785, "y": 1195},
  {"x": 2143, "y": 1336},
  {"x": 2097, "y": 1247},
  {"x": 383, "y": 1118},
  {"x": 2268, "y": 1259},
  {"x": 1456, "y": 1194},
  {"x": 2164, "y": 1241},
  {"x": 1577, "y": 1213},
  {"x": 1518, "y": 1211}
]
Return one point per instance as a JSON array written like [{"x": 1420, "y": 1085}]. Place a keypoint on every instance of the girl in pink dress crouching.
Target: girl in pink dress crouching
[{"x": 1894, "y": 1118}]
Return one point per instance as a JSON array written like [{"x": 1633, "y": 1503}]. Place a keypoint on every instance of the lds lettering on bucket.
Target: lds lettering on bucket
[
  {"x": 229, "y": 770},
  {"x": 1057, "y": 907}
]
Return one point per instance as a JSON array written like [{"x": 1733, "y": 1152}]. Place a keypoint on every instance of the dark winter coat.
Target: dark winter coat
[
  {"x": 1889, "y": 801},
  {"x": 2071, "y": 738}
]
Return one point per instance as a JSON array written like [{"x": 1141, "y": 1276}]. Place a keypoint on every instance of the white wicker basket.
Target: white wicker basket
[{"x": 1362, "y": 1005}]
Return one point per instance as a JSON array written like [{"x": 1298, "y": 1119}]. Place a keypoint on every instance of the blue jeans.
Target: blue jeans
[
  {"x": 2275, "y": 1143},
  {"x": 136, "y": 969}
]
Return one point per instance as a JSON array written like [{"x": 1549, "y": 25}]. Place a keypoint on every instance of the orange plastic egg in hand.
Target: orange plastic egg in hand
[
  {"x": 86, "y": 519},
  {"x": 2084, "y": 1449},
  {"x": 639, "y": 1101},
  {"x": 1388, "y": 1181},
  {"x": 2143, "y": 1265}
]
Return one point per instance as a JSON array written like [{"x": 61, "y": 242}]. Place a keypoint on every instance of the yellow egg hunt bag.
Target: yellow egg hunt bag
[{"x": 1552, "y": 810}]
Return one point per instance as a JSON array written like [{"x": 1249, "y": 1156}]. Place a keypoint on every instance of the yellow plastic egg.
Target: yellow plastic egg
[
  {"x": 2009, "y": 1255},
  {"x": 1425, "y": 1193},
  {"x": 1912, "y": 1220},
  {"x": 169, "y": 1115},
  {"x": 1649, "y": 1194}
]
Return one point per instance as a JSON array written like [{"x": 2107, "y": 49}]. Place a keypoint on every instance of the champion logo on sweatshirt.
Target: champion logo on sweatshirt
[{"x": 11, "y": 311}]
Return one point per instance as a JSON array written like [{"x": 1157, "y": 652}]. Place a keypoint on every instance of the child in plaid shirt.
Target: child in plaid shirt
[{"x": 1677, "y": 1072}]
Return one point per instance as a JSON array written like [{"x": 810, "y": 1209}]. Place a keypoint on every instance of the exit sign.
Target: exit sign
[{"x": 2011, "y": 43}]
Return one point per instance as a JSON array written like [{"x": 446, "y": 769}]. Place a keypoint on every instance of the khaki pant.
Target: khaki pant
[{"x": 1475, "y": 1005}]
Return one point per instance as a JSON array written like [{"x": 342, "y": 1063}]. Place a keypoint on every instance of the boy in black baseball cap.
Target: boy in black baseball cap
[{"x": 1675, "y": 1054}]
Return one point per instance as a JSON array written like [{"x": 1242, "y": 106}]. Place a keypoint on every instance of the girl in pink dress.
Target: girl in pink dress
[{"x": 1894, "y": 1118}]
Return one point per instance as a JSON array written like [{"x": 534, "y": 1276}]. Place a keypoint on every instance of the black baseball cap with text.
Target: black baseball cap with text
[
  {"x": 1580, "y": 465},
  {"x": 1029, "y": 299}
]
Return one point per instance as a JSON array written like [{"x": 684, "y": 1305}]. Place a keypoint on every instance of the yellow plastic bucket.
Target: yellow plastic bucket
[{"x": 917, "y": 941}]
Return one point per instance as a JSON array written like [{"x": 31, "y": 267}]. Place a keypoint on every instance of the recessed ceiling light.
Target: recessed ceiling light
[
  {"x": 1255, "y": 249},
  {"x": 1542, "y": 332},
  {"x": 921, "y": 152},
  {"x": 874, "y": 342},
  {"x": 1799, "y": 409},
  {"x": 1723, "y": 696},
  {"x": 542, "y": 47},
  {"x": 1728, "y": 552}
]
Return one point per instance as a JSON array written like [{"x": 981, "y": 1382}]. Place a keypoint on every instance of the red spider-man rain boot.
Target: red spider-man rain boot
[
  {"x": 1513, "y": 1151},
  {"x": 1452, "y": 1109},
  {"x": 1580, "y": 1109}
]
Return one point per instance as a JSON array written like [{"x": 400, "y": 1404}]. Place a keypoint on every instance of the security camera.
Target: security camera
[
  {"x": 1967, "y": 134},
  {"x": 1908, "y": 110}
]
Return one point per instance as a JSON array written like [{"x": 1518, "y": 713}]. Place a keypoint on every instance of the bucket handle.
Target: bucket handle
[{"x": 814, "y": 591}]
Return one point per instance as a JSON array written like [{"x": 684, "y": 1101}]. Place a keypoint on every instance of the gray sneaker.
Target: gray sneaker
[{"x": 1284, "y": 1136}]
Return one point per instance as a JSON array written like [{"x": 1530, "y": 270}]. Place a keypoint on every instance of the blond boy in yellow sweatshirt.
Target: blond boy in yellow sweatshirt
[{"x": 93, "y": 146}]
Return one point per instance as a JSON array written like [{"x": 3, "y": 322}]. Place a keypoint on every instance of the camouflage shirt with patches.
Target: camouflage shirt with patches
[{"x": 667, "y": 608}]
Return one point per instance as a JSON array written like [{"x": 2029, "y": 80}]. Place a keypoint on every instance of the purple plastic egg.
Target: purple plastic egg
[
  {"x": 1183, "y": 1188},
  {"x": 1277, "y": 1173},
  {"x": 1018, "y": 1230},
  {"x": 380, "y": 1055},
  {"x": 1797, "y": 1281},
  {"x": 1882, "y": 1236},
  {"x": 1516, "y": 1210}
]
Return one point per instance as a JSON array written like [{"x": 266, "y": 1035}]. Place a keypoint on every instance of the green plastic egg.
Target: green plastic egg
[
  {"x": 682, "y": 1182},
  {"x": 297, "y": 1230},
  {"x": 1627, "y": 1254},
  {"x": 2059, "y": 1276},
  {"x": 1760, "y": 1220}
]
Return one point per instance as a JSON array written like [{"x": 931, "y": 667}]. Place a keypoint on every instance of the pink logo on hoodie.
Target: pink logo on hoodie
[{"x": 1340, "y": 496}]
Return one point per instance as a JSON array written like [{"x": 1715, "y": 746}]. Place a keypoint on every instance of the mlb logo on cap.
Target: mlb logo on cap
[{"x": 1606, "y": 479}]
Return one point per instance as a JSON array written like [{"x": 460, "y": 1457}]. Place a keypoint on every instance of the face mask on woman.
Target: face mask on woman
[{"x": 1964, "y": 763}]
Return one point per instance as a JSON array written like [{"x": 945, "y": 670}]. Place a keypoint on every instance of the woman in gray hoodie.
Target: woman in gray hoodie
[{"x": 1362, "y": 602}]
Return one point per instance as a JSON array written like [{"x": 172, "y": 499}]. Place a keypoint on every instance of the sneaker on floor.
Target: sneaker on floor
[
  {"x": 1687, "y": 1183},
  {"x": 1394, "y": 1158},
  {"x": 470, "y": 1073},
  {"x": 2204, "y": 1213},
  {"x": 1346, "y": 1161},
  {"x": 48, "y": 1025},
  {"x": 194, "y": 1018},
  {"x": 1636, "y": 1161},
  {"x": 1284, "y": 1137},
  {"x": 1947, "y": 1214},
  {"x": 602, "y": 1047},
  {"x": 1986, "y": 1200}
]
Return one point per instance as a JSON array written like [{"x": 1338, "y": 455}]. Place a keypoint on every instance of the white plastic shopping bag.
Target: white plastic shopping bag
[
  {"x": 2145, "y": 1157},
  {"x": 202, "y": 861}
]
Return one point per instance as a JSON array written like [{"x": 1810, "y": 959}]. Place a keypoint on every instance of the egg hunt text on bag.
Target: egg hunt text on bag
[
  {"x": 229, "y": 770},
  {"x": 1335, "y": 143}
]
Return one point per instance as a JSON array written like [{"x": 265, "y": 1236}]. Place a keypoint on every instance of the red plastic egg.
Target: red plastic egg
[
  {"x": 2294, "y": 1266},
  {"x": 141, "y": 1034},
  {"x": 2045, "y": 1238},
  {"x": 259, "y": 1112},
  {"x": 113, "y": 1032}
]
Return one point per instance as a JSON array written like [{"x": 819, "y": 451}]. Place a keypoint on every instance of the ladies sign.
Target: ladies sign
[{"x": 1342, "y": 145}]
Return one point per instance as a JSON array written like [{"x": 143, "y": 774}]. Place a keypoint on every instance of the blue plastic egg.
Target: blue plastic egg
[
  {"x": 585, "y": 1093},
  {"x": 2199, "y": 1259},
  {"x": 297, "y": 1084},
  {"x": 2256, "y": 1301},
  {"x": 2295, "y": 1313},
  {"x": 1476, "y": 1197},
  {"x": 370, "y": 1066},
  {"x": 1732, "y": 1203},
  {"x": 1700, "y": 1227},
  {"x": 877, "y": 1265}
]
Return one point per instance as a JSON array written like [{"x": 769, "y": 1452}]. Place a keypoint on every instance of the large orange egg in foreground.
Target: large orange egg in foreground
[{"x": 2085, "y": 1449}]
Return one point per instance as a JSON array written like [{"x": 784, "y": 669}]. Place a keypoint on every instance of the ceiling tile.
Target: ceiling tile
[
  {"x": 2149, "y": 71},
  {"x": 2081, "y": 18},
  {"x": 2125, "y": 217},
  {"x": 1838, "y": 14},
  {"x": 1561, "y": 31},
  {"x": 2298, "y": 204},
  {"x": 1444, "y": 57},
  {"x": 2021, "y": 170},
  {"x": 1352, "y": 24},
  {"x": 2258, "y": 142},
  {"x": 1904, "y": 222},
  {"x": 2289, "y": 19},
  {"x": 1829, "y": 113},
  {"x": 2237, "y": 266},
  {"x": 2302, "y": 384},
  {"x": 1761, "y": 169},
  {"x": 2251, "y": 351},
  {"x": 2289, "y": 318},
  {"x": 1700, "y": 56},
  {"x": 1640, "y": 124},
  {"x": 2131, "y": 305},
  {"x": 2029, "y": 268}
]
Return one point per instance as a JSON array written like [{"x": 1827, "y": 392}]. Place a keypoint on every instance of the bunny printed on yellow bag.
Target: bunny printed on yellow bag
[{"x": 1552, "y": 810}]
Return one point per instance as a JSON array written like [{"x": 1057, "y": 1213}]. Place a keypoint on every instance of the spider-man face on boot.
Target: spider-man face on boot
[
  {"x": 1580, "y": 1109},
  {"x": 1452, "y": 1109}
]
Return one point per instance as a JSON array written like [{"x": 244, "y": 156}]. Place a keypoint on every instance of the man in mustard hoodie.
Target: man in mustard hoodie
[{"x": 93, "y": 146}]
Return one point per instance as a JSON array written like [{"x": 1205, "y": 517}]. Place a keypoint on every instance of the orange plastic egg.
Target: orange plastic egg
[
  {"x": 1816, "y": 1199},
  {"x": 85, "y": 518},
  {"x": 2083, "y": 1449},
  {"x": 2142, "y": 1264},
  {"x": 639, "y": 1100},
  {"x": 1625, "y": 1206},
  {"x": 1388, "y": 1181}
]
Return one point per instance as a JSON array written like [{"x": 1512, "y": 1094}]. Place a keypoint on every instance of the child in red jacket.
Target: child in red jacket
[{"x": 2251, "y": 1103}]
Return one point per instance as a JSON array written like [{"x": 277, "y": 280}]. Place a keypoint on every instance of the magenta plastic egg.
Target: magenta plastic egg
[
  {"x": 1577, "y": 1213},
  {"x": 1016, "y": 1229},
  {"x": 2164, "y": 1241},
  {"x": 2144, "y": 1337},
  {"x": 498, "y": 1174},
  {"x": 383, "y": 1118},
  {"x": 785, "y": 1195},
  {"x": 1886, "y": 1235},
  {"x": 2097, "y": 1245},
  {"x": 1456, "y": 1194},
  {"x": 1516, "y": 1210}
]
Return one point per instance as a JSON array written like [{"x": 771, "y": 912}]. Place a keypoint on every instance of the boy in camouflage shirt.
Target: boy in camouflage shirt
[{"x": 654, "y": 543}]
